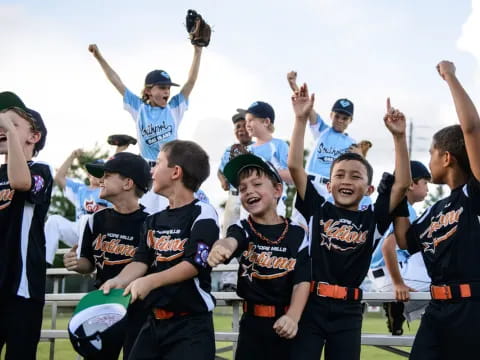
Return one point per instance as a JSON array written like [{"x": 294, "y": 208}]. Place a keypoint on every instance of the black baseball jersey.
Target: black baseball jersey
[
  {"x": 268, "y": 272},
  {"x": 448, "y": 234},
  {"x": 22, "y": 239},
  {"x": 342, "y": 241},
  {"x": 110, "y": 241},
  {"x": 175, "y": 235}
]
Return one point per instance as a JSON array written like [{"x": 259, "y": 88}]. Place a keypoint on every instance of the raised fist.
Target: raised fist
[
  {"x": 93, "y": 48},
  {"x": 446, "y": 68}
]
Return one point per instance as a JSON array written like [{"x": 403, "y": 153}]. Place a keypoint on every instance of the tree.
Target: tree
[{"x": 433, "y": 196}]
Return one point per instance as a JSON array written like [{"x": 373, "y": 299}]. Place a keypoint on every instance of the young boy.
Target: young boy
[
  {"x": 394, "y": 269},
  {"x": 112, "y": 235},
  {"x": 342, "y": 238},
  {"x": 25, "y": 188},
  {"x": 447, "y": 236},
  {"x": 157, "y": 119},
  {"x": 259, "y": 120},
  {"x": 86, "y": 200},
  {"x": 271, "y": 249},
  {"x": 174, "y": 247}
]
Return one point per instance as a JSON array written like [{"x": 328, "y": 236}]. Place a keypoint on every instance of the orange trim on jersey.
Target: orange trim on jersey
[
  {"x": 162, "y": 314},
  {"x": 169, "y": 258},
  {"x": 117, "y": 262},
  {"x": 260, "y": 310}
]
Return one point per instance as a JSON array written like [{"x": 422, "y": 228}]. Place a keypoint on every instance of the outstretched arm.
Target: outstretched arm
[
  {"x": 61, "y": 175},
  {"x": 222, "y": 250},
  {"x": 396, "y": 124},
  {"x": 193, "y": 73},
  {"x": 111, "y": 74},
  {"x": 292, "y": 82},
  {"x": 302, "y": 106},
  {"x": 467, "y": 115}
]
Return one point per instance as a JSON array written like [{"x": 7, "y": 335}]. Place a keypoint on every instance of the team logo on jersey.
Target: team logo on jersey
[
  {"x": 90, "y": 206},
  {"x": 202, "y": 254},
  {"x": 6, "y": 196},
  {"x": 155, "y": 133},
  {"x": 328, "y": 154},
  {"x": 38, "y": 183},
  {"x": 439, "y": 223},
  {"x": 166, "y": 247},
  {"x": 112, "y": 247},
  {"x": 341, "y": 235},
  {"x": 260, "y": 261}
]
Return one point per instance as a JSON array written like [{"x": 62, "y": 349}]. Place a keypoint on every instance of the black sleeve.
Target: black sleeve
[
  {"x": 413, "y": 245},
  {"x": 312, "y": 200},
  {"x": 87, "y": 241},
  {"x": 380, "y": 210},
  {"x": 42, "y": 182},
  {"x": 145, "y": 254},
  {"x": 202, "y": 236},
  {"x": 303, "y": 264},
  {"x": 473, "y": 190},
  {"x": 237, "y": 232}
]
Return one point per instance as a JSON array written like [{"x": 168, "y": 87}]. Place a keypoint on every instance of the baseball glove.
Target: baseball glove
[
  {"x": 121, "y": 140},
  {"x": 238, "y": 149},
  {"x": 364, "y": 146},
  {"x": 198, "y": 30}
]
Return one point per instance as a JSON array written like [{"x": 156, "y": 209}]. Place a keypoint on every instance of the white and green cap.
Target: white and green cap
[{"x": 98, "y": 324}]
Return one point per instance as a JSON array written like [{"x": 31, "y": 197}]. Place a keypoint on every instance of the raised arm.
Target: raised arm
[
  {"x": 396, "y": 123},
  {"x": 193, "y": 73},
  {"x": 401, "y": 226},
  {"x": 61, "y": 175},
  {"x": 302, "y": 106},
  {"x": 111, "y": 74},
  {"x": 18, "y": 173},
  {"x": 467, "y": 115},
  {"x": 292, "y": 82}
]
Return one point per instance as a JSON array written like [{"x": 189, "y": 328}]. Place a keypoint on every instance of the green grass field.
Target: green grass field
[{"x": 373, "y": 323}]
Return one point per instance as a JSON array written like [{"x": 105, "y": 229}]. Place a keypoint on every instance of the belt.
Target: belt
[
  {"x": 335, "y": 291},
  {"x": 457, "y": 291},
  {"x": 162, "y": 314},
  {"x": 268, "y": 311}
]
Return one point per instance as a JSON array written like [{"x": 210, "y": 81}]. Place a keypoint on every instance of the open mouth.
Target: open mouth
[
  {"x": 345, "y": 191},
  {"x": 165, "y": 98},
  {"x": 253, "y": 200},
  {"x": 3, "y": 138}
]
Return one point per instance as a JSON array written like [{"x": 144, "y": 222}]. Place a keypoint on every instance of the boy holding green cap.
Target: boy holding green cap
[{"x": 25, "y": 189}]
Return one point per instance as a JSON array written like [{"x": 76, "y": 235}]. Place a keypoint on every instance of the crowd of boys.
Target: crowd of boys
[{"x": 149, "y": 233}]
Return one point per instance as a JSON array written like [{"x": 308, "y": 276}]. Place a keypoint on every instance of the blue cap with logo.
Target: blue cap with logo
[
  {"x": 343, "y": 106},
  {"x": 262, "y": 110},
  {"x": 159, "y": 77}
]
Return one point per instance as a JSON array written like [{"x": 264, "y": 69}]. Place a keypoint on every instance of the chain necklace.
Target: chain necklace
[{"x": 264, "y": 238}]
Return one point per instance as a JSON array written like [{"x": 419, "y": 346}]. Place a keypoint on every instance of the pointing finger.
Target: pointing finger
[{"x": 389, "y": 107}]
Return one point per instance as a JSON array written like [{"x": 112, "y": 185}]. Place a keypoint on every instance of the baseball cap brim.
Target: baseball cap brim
[
  {"x": 169, "y": 83},
  {"x": 96, "y": 170},
  {"x": 10, "y": 100},
  {"x": 342, "y": 111},
  {"x": 240, "y": 162}
]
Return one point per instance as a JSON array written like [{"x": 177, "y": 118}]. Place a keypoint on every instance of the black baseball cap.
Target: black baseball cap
[
  {"x": 9, "y": 100},
  {"x": 343, "y": 106},
  {"x": 243, "y": 161},
  {"x": 240, "y": 115},
  {"x": 126, "y": 164},
  {"x": 159, "y": 77},
  {"x": 419, "y": 171},
  {"x": 262, "y": 110}
]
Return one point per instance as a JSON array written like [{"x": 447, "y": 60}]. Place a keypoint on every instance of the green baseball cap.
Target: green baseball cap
[
  {"x": 10, "y": 100},
  {"x": 243, "y": 161},
  {"x": 98, "y": 322}
]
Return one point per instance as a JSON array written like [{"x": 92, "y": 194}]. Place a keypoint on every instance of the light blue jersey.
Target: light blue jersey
[
  {"x": 85, "y": 199},
  {"x": 155, "y": 125},
  {"x": 225, "y": 159},
  {"x": 329, "y": 145},
  {"x": 275, "y": 151},
  {"x": 402, "y": 255}
]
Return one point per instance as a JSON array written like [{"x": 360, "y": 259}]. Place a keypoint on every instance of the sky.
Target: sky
[{"x": 363, "y": 50}]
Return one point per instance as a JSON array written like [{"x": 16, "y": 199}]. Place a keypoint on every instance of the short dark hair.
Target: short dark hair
[
  {"x": 356, "y": 157},
  {"x": 451, "y": 139},
  {"x": 248, "y": 171},
  {"x": 191, "y": 158}
]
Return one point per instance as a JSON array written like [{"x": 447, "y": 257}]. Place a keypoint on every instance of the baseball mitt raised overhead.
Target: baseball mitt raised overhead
[{"x": 199, "y": 31}]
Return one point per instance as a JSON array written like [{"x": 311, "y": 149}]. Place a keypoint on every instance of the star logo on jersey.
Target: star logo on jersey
[
  {"x": 428, "y": 247},
  {"x": 249, "y": 271},
  {"x": 100, "y": 260}
]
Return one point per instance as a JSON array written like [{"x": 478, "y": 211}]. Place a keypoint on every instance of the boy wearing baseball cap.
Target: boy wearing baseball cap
[
  {"x": 174, "y": 247},
  {"x": 25, "y": 189},
  {"x": 112, "y": 235},
  {"x": 271, "y": 249},
  {"x": 394, "y": 269},
  {"x": 260, "y": 118}
]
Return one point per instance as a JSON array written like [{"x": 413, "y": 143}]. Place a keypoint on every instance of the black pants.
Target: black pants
[
  {"x": 335, "y": 324},
  {"x": 258, "y": 340},
  {"x": 20, "y": 326},
  {"x": 179, "y": 338},
  {"x": 448, "y": 330}
]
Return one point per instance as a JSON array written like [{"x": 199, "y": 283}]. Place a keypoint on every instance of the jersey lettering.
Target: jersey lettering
[
  {"x": 347, "y": 236},
  {"x": 165, "y": 243},
  {"x": 438, "y": 223}
]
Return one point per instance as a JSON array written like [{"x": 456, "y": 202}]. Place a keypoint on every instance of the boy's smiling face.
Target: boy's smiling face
[
  {"x": 258, "y": 194},
  {"x": 255, "y": 126},
  {"x": 340, "y": 121},
  {"x": 159, "y": 95},
  {"x": 349, "y": 183}
]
